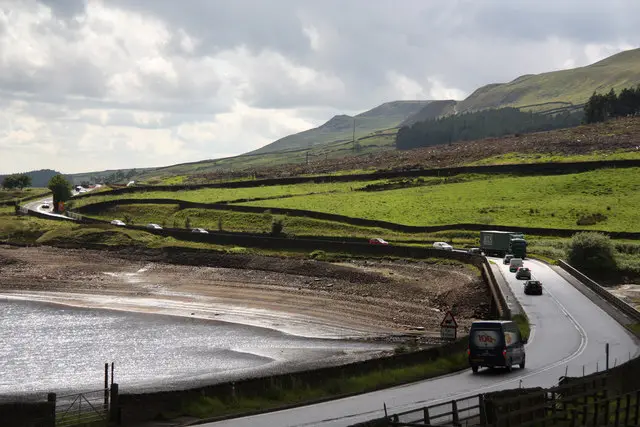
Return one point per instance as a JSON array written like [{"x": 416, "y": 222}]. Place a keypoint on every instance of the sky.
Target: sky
[{"x": 94, "y": 85}]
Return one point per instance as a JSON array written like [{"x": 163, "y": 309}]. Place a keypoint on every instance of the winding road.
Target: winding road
[{"x": 569, "y": 333}]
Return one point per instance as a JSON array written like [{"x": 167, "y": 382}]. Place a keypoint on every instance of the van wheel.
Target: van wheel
[
  {"x": 522, "y": 364},
  {"x": 474, "y": 368}
]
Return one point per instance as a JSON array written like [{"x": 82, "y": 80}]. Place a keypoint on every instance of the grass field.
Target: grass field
[
  {"x": 542, "y": 201},
  {"x": 6, "y": 195},
  {"x": 213, "y": 195}
]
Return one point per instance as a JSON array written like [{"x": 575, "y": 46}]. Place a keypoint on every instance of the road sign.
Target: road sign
[{"x": 449, "y": 327}]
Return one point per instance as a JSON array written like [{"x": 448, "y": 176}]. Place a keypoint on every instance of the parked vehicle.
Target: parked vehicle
[
  {"x": 117, "y": 222},
  {"x": 532, "y": 287},
  {"x": 507, "y": 259},
  {"x": 199, "y": 230},
  {"x": 154, "y": 226},
  {"x": 523, "y": 273},
  {"x": 443, "y": 245},
  {"x": 378, "y": 241},
  {"x": 495, "y": 343},
  {"x": 514, "y": 264},
  {"x": 500, "y": 243}
]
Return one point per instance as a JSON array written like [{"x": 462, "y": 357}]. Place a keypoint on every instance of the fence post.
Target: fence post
[
  {"x": 114, "y": 409},
  {"x": 454, "y": 411},
  {"x": 483, "y": 410},
  {"x": 106, "y": 386},
  {"x": 425, "y": 415},
  {"x": 637, "y": 417},
  {"x": 51, "y": 421},
  {"x": 617, "y": 418},
  {"x": 627, "y": 409},
  {"x": 606, "y": 350}
]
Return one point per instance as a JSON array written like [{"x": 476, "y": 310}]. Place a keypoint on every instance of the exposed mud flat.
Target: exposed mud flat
[{"x": 305, "y": 297}]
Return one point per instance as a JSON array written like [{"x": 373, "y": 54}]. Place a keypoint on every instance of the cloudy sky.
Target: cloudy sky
[{"x": 91, "y": 85}]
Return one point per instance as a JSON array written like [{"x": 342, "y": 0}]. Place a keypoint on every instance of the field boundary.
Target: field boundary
[
  {"x": 539, "y": 231},
  {"x": 17, "y": 201},
  {"x": 549, "y": 168}
]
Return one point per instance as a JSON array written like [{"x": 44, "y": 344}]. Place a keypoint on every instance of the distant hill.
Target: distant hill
[
  {"x": 376, "y": 128},
  {"x": 432, "y": 110},
  {"x": 558, "y": 89},
  {"x": 340, "y": 128},
  {"x": 39, "y": 178}
]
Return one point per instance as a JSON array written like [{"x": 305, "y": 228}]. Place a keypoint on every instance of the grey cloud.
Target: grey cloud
[{"x": 65, "y": 9}]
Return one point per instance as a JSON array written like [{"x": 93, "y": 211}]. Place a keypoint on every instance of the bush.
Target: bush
[
  {"x": 591, "y": 251},
  {"x": 277, "y": 226}
]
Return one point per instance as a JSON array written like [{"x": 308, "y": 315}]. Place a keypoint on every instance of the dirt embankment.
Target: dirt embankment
[{"x": 379, "y": 297}]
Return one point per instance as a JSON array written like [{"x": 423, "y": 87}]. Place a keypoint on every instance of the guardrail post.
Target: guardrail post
[{"x": 454, "y": 412}]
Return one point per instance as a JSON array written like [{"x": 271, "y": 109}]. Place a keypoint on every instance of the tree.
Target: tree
[
  {"x": 16, "y": 181},
  {"x": 591, "y": 251},
  {"x": 61, "y": 189},
  {"x": 9, "y": 182},
  {"x": 23, "y": 181}
]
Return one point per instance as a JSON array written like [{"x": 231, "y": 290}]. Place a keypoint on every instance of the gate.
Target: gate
[{"x": 87, "y": 408}]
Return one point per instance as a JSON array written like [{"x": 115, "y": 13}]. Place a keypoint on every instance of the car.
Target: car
[
  {"x": 523, "y": 273},
  {"x": 532, "y": 287},
  {"x": 199, "y": 230},
  {"x": 495, "y": 343},
  {"x": 378, "y": 241},
  {"x": 507, "y": 259},
  {"x": 46, "y": 206},
  {"x": 474, "y": 251},
  {"x": 514, "y": 264},
  {"x": 154, "y": 226},
  {"x": 443, "y": 245},
  {"x": 117, "y": 222}
]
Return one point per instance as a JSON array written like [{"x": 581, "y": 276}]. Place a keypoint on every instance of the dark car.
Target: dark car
[
  {"x": 507, "y": 259},
  {"x": 495, "y": 343},
  {"x": 532, "y": 287},
  {"x": 523, "y": 273}
]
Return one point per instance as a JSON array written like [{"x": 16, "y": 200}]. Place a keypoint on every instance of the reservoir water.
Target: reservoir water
[{"x": 53, "y": 348}]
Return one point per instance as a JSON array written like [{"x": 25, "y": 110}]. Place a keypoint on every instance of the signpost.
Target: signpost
[{"x": 449, "y": 327}]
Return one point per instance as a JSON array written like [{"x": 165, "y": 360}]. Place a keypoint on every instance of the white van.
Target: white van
[{"x": 514, "y": 264}]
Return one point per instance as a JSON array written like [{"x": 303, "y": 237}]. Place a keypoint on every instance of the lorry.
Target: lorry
[{"x": 500, "y": 243}]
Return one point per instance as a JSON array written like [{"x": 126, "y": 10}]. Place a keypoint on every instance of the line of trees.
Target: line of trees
[
  {"x": 481, "y": 124},
  {"x": 602, "y": 107},
  {"x": 20, "y": 181}
]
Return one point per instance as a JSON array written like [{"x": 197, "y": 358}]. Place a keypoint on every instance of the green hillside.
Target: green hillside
[
  {"x": 340, "y": 128},
  {"x": 559, "y": 89}
]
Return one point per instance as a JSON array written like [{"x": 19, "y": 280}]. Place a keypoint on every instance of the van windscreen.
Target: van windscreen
[{"x": 485, "y": 338}]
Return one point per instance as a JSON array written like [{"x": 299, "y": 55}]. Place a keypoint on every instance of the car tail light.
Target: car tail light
[
  {"x": 504, "y": 352},
  {"x": 468, "y": 352}
]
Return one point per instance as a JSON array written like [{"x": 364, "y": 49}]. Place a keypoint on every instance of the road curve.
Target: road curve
[{"x": 569, "y": 335}]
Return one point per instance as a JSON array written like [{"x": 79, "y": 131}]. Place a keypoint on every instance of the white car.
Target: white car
[
  {"x": 117, "y": 222},
  {"x": 154, "y": 226},
  {"x": 199, "y": 230},
  {"x": 443, "y": 245}
]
